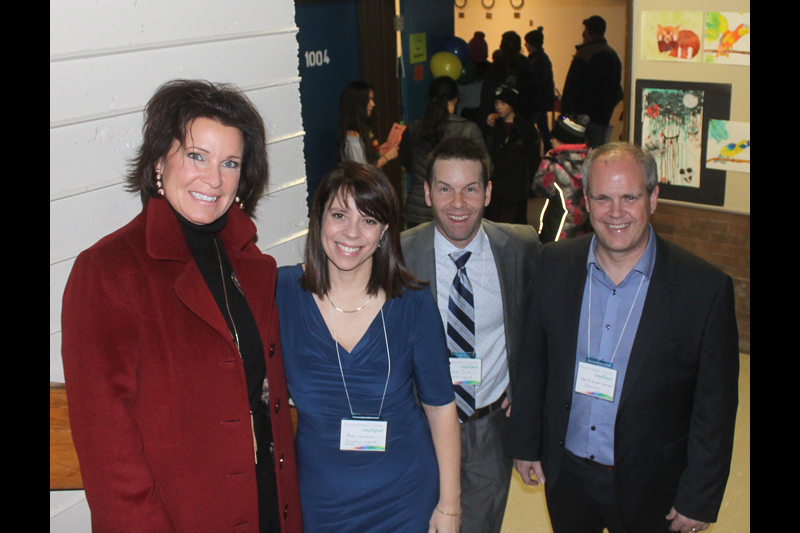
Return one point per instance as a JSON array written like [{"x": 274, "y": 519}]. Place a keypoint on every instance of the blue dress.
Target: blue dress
[{"x": 363, "y": 491}]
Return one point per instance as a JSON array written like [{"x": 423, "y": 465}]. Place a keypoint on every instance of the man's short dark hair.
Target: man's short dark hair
[
  {"x": 596, "y": 25},
  {"x": 460, "y": 149}
]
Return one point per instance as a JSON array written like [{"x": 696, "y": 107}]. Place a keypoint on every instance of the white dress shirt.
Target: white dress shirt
[{"x": 490, "y": 337}]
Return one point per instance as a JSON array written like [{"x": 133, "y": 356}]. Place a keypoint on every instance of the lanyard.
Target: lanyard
[
  {"x": 589, "y": 342},
  {"x": 388, "y": 357}
]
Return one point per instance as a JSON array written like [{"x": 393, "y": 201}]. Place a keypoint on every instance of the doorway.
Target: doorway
[{"x": 341, "y": 41}]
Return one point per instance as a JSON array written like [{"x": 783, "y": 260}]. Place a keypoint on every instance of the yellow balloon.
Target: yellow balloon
[{"x": 446, "y": 64}]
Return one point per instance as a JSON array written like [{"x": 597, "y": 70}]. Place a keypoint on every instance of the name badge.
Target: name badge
[
  {"x": 596, "y": 380},
  {"x": 363, "y": 435},
  {"x": 465, "y": 369}
]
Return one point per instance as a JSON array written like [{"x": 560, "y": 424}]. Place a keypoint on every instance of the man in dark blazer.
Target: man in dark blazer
[
  {"x": 654, "y": 453},
  {"x": 501, "y": 272}
]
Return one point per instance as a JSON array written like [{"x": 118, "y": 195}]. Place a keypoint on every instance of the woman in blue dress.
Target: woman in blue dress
[{"x": 363, "y": 348}]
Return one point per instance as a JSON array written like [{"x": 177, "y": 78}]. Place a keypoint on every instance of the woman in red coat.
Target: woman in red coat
[{"x": 177, "y": 399}]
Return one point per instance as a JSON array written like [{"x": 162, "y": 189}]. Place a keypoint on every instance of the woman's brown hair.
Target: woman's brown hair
[
  {"x": 373, "y": 196},
  {"x": 169, "y": 115}
]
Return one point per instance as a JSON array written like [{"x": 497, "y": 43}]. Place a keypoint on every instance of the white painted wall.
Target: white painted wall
[{"x": 106, "y": 60}]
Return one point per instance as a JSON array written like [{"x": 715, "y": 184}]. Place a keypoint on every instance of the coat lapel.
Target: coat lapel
[
  {"x": 422, "y": 258},
  {"x": 505, "y": 259},
  {"x": 192, "y": 290},
  {"x": 166, "y": 242},
  {"x": 656, "y": 305},
  {"x": 573, "y": 300}
]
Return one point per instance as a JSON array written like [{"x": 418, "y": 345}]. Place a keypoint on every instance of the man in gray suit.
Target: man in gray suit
[{"x": 481, "y": 275}]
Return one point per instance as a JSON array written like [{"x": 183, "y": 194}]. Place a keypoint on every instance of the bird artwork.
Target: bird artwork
[
  {"x": 730, "y": 150},
  {"x": 723, "y": 44},
  {"x": 724, "y": 152}
]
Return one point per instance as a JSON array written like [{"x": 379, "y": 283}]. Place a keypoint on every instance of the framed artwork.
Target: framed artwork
[
  {"x": 728, "y": 145},
  {"x": 672, "y": 123},
  {"x": 727, "y": 38},
  {"x": 672, "y": 35}
]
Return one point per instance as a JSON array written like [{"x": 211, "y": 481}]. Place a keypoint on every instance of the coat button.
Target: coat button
[
  {"x": 285, "y": 511},
  {"x": 277, "y": 405},
  {"x": 271, "y": 350},
  {"x": 280, "y": 462}
]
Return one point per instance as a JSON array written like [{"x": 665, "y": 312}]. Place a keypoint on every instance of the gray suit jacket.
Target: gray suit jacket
[{"x": 516, "y": 251}]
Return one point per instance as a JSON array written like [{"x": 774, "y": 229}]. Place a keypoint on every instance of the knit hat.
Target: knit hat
[
  {"x": 535, "y": 38},
  {"x": 478, "y": 49},
  {"x": 507, "y": 94},
  {"x": 571, "y": 130}
]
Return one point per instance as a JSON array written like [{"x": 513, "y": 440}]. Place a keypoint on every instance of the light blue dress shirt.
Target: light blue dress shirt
[{"x": 615, "y": 314}]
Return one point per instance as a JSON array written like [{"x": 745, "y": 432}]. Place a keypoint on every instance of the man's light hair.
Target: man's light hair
[{"x": 619, "y": 150}]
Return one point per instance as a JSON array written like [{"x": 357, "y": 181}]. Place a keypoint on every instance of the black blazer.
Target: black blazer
[{"x": 674, "y": 431}]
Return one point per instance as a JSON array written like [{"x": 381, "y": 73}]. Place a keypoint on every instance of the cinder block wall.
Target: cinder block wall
[{"x": 722, "y": 239}]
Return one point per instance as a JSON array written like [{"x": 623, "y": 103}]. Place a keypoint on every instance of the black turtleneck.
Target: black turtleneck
[{"x": 208, "y": 252}]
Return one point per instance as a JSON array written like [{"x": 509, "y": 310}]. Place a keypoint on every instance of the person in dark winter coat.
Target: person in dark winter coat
[
  {"x": 509, "y": 67},
  {"x": 545, "y": 95},
  {"x": 424, "y": 134},
  {"x": 514, "y": 149},
  {"x": 593, "y": 85}
]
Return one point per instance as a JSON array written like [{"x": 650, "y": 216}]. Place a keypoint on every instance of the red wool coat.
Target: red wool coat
[{"x": 156, "y": 388}]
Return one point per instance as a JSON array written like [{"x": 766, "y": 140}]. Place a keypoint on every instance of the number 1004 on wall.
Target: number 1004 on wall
[{"x": 317, "y": 59}]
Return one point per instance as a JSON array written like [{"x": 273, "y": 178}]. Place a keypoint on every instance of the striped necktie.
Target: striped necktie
[{"x": 461, "y": 329}]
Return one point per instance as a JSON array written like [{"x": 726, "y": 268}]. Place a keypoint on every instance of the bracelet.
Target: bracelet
[{"x": 447, "y": 514}]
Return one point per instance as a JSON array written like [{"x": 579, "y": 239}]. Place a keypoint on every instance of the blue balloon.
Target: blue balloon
[{"x": 458, "y": 47}]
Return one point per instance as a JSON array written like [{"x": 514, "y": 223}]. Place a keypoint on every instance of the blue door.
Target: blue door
[
  {"x": 329, "y": 60},
  {"x": 436, "y": 21}
]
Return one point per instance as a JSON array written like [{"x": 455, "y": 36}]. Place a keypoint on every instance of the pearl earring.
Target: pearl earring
[
  {"x": 240, "y": 202},
  {"x": 159, "y": 184}
]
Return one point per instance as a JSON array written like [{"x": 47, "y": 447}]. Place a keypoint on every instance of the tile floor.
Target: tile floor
[{"x": 526, "y": 511}]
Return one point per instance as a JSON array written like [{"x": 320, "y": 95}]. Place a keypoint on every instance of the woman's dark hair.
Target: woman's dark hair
[
  {"x": 353, "y": 117},
  {"x": 168, "y": 117},
  {"x": 373, "y": 196},
  {"x": 434, "y": 123}
]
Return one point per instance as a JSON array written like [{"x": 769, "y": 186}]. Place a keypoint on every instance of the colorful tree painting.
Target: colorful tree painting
[{"x": 672, "y": 122}]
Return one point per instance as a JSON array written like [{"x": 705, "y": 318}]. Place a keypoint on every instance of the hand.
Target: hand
[
  {"x": 526, "y": 468},
  {"x": 507, "y": 406},
  {"x": 391, "y": 153},
  {"x": 442, "y": 523},
  {"x": 686, "y": 525},
  {"x": 490, "y": 120}
]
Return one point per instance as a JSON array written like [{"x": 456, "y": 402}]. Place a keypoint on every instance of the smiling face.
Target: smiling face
[
  {"x": 349, "y": 238},
  {"x": 620, "y": 209},
  {"x": 458, "y": 199},
  {"x": 201, "y": 176}
]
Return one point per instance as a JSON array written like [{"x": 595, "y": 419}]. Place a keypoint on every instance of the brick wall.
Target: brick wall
[{"x": 722, "y": 239}]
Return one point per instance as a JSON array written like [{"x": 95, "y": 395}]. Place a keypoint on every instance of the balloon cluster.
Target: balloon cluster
[{"x": 454, "y": 61}]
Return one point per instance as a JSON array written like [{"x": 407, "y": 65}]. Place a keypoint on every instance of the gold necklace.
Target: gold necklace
[
  {"x": 235, "y": 334},
  {"x": 354, "y": 311}
]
